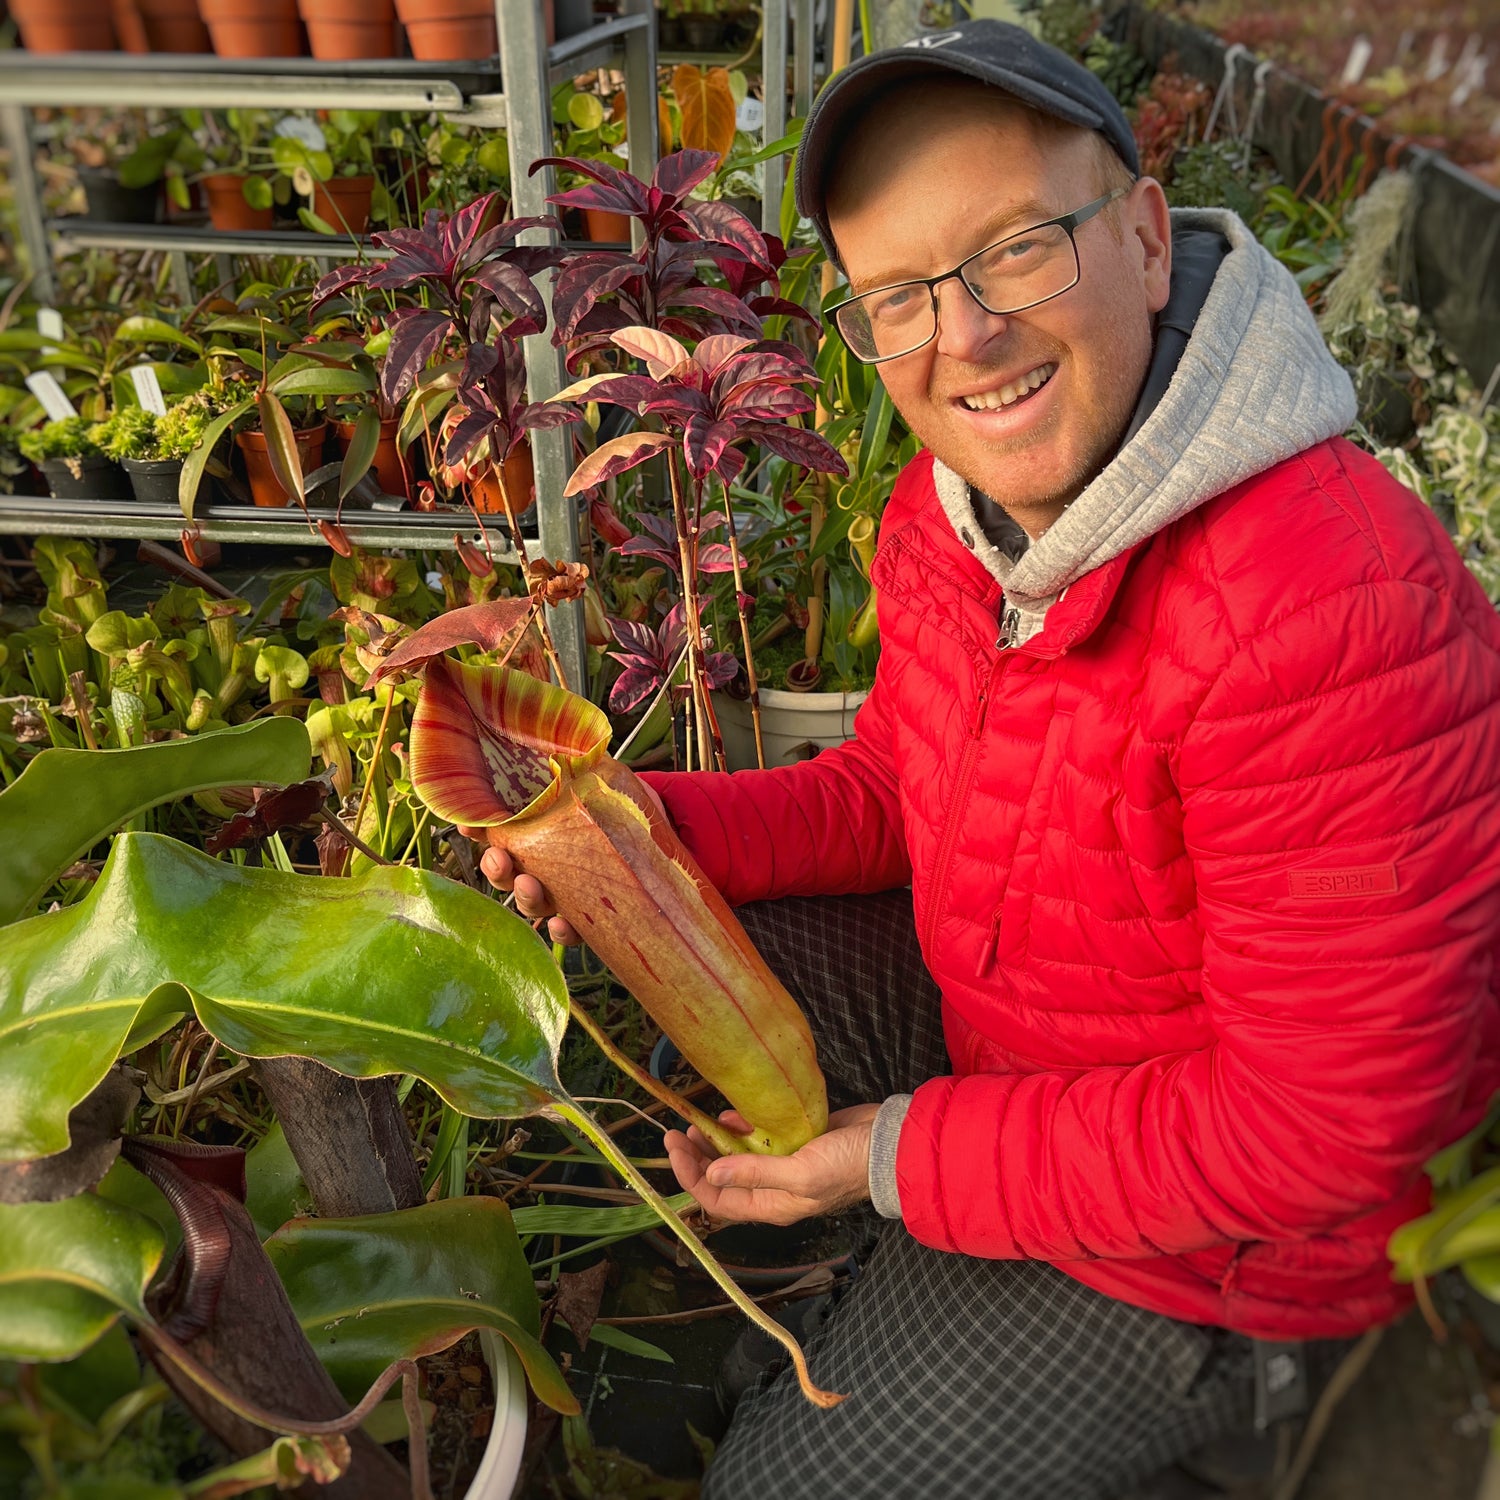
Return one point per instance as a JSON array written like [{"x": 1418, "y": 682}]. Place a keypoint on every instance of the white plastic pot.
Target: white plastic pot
[
  {"x": 500, "y": 1467},
  {"x": 794, "y": 726}
]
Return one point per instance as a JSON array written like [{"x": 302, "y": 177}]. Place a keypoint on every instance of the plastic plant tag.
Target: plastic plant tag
[
  {"x": 49, "y": 324},
  {"x": 148, "y": 390},
  {"x": 43, "y": 385},
  {"x": 1359, "y": 59}
]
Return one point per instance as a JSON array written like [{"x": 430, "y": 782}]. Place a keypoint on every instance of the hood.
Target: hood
[{"x": 1254, "y": 385}]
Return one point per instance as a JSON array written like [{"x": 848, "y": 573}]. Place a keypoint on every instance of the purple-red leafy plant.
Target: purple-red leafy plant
[
  {"x": 460, "y": 298},
  {"x": 649, "y": 658},
  {"x": 710, "y": 404},
  {"x": 661, "y": 285}
]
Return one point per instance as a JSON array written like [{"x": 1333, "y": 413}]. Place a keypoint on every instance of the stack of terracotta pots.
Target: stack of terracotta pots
[{"x": 336, "y": 30}]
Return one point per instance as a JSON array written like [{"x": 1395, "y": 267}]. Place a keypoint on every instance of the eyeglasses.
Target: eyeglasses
[{"x": 1020, "y": 271}]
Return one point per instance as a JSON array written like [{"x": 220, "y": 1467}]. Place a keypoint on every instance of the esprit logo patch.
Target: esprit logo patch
[{"x": 1356, "y": 880}]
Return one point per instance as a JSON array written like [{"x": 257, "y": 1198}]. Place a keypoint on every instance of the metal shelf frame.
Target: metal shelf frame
[
  {"x": 426, "y": 531},
  {"x": 512, "y": 91}
]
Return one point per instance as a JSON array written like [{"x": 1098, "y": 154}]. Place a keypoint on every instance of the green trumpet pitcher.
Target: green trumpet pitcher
[{"x": 495, "y": 748}]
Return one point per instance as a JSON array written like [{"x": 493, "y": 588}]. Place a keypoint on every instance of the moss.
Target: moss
[
  {"x": 181, "y": 430},
  {"x": 69, "y": 438},
  {"x": 129, "y": 432}
]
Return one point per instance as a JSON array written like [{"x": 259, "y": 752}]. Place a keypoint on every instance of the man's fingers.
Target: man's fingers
[{"x": 497, "y": 869}]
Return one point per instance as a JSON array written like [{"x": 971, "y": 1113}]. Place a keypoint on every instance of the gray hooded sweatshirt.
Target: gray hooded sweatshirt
[{"x": 1253, "y": 385}]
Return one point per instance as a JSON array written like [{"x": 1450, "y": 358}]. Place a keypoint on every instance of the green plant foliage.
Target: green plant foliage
[
  {"x": 67, "y": 1271},
  {"x": 394, "y": 971},
  {"x": 66, "y": 801},
  {"x": 387, "y": 1286},
  {"x": 129, "y": 432},
  {"x": 72, "y": 437},
  {"x": 181, "y": 430}
]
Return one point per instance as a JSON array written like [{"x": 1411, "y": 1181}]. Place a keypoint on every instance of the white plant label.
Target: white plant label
[
  {"x": 148, "y": 390},
  {"x": 49, "y": 324},
  {"x": 750, "y": 115},
  {"x": 43, "y": 385},
  {"x": 1437, "y": 59},
  {"x": 1359, "y": 59}
]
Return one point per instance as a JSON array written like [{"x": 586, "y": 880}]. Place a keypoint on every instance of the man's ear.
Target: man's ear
[{"x": 1152, "y": 226}]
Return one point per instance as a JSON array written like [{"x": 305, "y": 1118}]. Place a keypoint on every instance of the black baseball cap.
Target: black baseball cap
[{"x": 994, "y": 52}]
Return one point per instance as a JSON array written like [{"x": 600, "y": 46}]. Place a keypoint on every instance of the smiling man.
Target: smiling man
[{"x": 1186, "y": 740}]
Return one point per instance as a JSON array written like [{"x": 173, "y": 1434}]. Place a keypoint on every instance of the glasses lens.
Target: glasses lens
[
  {"x": 1023, "y": 270},
  {"x": 893, "y": 320}
]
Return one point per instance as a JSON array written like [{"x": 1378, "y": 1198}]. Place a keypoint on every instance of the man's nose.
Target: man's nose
[{"x": 964, "y": 327}]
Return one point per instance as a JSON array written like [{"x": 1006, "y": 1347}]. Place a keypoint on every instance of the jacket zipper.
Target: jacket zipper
[
  {"x": 960, "y": 797},
  {"x": 1010, "y": 628}
]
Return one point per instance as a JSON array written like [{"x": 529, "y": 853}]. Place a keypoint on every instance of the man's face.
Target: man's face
[{"x": 1028, "y": 407}]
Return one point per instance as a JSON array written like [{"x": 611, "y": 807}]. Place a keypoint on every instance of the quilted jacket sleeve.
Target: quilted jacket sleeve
[
  {"x": 827, "y": 826},
  {"x": 1359, "y": 732}
]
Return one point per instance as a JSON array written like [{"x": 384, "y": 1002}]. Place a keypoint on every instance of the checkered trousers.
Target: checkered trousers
[{"x": 966, "y": 1378}]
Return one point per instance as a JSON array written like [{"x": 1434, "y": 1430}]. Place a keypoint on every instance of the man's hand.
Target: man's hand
[
  {"x": 826, "y": 1175},
  {"x": 533, "y": 900}
]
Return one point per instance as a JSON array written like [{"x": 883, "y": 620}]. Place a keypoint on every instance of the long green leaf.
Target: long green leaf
[
  {"x": 65, "y": 801},
  {"x": 396, "y": 971},
  {"x": 319, "y": 380},
  {"x": 144, "y": 330},
  {"x": 392, "y": 1286},
  {"x": 877, "y": 430},
  {"x": 67, "y": 1271},
  {"x": 361, "y": 451},
  {"x": 196, "y": 461},
  {"x": 281, "y": 445}
]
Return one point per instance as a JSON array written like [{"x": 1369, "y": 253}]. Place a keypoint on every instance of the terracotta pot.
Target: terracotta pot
[
  {"x": 347, "y": 30},
  {"x": 227, "y": 208},
  {"x": 169, "y": 25},
  {"x": 387, "y": 465},
  {"x": 605, "y": 227},
  {"x": 520, "y": 484},
  {"x": 344, "y": 202},
  {"x": 449, "y": 30},
  {"x": 64, "y": 25},
  {"x": 253, "y": 28},
  {"x": 264, "y": 487},
  {"x": 130, "y": 28}
]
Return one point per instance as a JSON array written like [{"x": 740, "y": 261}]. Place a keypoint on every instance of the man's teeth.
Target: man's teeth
[{"x": 1008, "y": 395}]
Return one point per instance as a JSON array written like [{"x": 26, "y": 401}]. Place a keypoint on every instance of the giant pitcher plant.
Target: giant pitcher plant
[
  {"x": 497, "y": 749},
  {"x": 395, "y": 971}
]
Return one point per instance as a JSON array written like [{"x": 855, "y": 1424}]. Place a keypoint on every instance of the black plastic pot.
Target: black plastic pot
[
  {"x": 94, "y": 478},
  {"x": 154, "y": 478},
  {"x": 110, "y": 202},
  {"x": 702, "y": 33}
]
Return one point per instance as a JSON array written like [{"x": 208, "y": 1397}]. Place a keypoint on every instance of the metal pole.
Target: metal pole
[
  {"x": 773, "y": 74},
  {"x": 16, "y": 125},
  {"x": 804, "y": 58},
  {"x": 528, "y": 96},
  {"x": 640, "y": 101}
]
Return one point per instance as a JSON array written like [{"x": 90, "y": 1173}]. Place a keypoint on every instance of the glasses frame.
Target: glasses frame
[{"x": 1069, "y": 223}]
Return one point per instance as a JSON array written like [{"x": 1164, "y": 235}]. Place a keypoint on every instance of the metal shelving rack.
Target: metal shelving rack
[{"x": 511, "y": 92}]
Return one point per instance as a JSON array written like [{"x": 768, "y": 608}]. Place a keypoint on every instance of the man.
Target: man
[{"x": 1186, "y": 737}]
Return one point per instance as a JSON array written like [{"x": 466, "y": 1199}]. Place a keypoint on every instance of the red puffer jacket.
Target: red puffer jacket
[{"x": 1208, "y": 872}]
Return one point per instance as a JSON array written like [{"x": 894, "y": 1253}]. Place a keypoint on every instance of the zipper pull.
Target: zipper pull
[{"x": 1010, "y": 628}]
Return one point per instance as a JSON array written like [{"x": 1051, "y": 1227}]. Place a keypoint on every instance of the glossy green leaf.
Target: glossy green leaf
[
  {"x": 67, "y": 1271},
  {"x": 277, "y": 1189},
  {"x": 877, "y": 429},
  {"x": 281, "y": 445},
  {"x": 361, "y": 451},
  {"x": 196, "y": 461},
  {"x": 395, "y": 971},
  {"x": 322, "y": 380},
  {"x": 627, "y": 1343},
  {"x": 65, "y": 801},
  {"x": 144, "y": 330},
  {"x": 388, "y": 1286},
  {"x": 104, "y": 1373}
]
